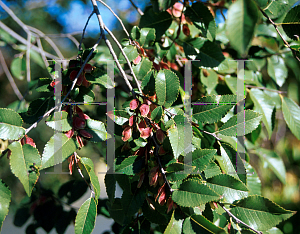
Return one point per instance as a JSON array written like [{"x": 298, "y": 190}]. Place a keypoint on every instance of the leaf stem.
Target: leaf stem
[{"x": 137, "y": 8}]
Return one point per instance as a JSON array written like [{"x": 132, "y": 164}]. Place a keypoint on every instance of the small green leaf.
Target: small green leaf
[
  {"x": 135, "y": 33},
  {"x": 202, "y": 157},
  {"x": 5, "y": 198},
  {"x": 178, "y": 171},
  {"x": 191, "y": 194},
  {"x": 25, "y": 162},
  {"x": 291, "y": 114},
  {"x": 291, "y": 23},
  {"x": 250, "y": 123},
  {"x": 89, "y": 166},
  {"x": 131, "y": 52},
  {"x": 99, "y": 77},
  {"x": 86, "y": 217},
  {"x": 10, "y": 125},
  {"x": 202, "y": 18},
  {"x": 174, "y": 225},
  {"x": 277, "y": 69},
  {"x": 177, "y": 136},
  {"x": 240, "y": 24},
  {"x": 132, "y": 202},
  {"x": 44, "y": 85},
  {"x": 255, "y": 210},
  {"x": 18, "y": 67},
  {"x": 147, "y": 37},
  {"x": 131, "y": 165},
  {"x": 166, "y": 87},
  {"x": 142, "y": 68},
  {"x": 97, "y": 129},
  {"x": 110, "y": 186},
  {"x": 57, "y": 149},
  {"x": 156, "y": 114},
  {"x": 119, "y": 116},
  {"x": 59, "y": 121}
]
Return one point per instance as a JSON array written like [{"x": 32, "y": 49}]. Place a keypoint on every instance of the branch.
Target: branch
[
  {"x": 9, "y": 77},
  {"x": 264, "y": 88},
  {"x": 83, "y": 31},
  {"x": 137, "y": 8},
  {"x": 103, "y": 3},
  {"x": 127, "y": 60},
  {"x": 276, "y": 28},
  {"x": 238, "y": 220}
]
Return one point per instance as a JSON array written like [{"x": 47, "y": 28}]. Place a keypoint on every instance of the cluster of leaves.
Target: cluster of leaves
[{"x": 179, "y": 173}]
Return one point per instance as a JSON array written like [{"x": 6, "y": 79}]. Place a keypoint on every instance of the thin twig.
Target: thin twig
[
  {"x": 83, "y": 31},
  {"x": 238, "y": 220},
  {"x": 9, "y": 77},
  {"x": 276, "y": 28},
  {"x": 125, "y": 30},
  {"x": 125, "y": 56},
  {"x": 42, "y": 52},
  {"x": 28, "y": 71},
  {"x": 263, "y": 88},
  {"x": 24, "y": 41},
  {"x": 137, "y": 8}
]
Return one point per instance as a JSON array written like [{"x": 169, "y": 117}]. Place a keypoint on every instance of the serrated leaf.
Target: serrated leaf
[
  {"x": 159, "y": 21},
  {"x": 57, "y": 149},
  {"x": 24, "y": 163},
  {"x": 202, "y": 157},
  {"x": 177, "y": 136},
  {"x": 10, "y": 125},
  {"x": 228, "y": 187},
  {"x": 277, "y": 69},
  {"x": 250, "y": 123},
  {"x": 89, "y": 166},
  {"x": 97, "y": 129},
  {"x": 131, "y": 52},
  {"x": 86, "y": 217},
  {"x": 142, "y": 68},
  {"x": 291, "y": 23},
  {"x": 274, "y": 162},
  {"x": 211, "y": 170},
  {"x": 291, "y": 114},
  {"x": 213, "y": 108},
  {"x": 253, "y": 180},
  {"x": 259, "y": 213},
  {"x": 240, "y": 24},
  {"x": 202, "y": 18},
  {"x": 199, "y": 224},
  {"x": 191, "y": 194},
  {"x": 265, "y": 106},
  {"x": 131, "y": 165},
  {"x": 178, "y": 171},
  {"x": 99, "y": 77},
  {"x": 174, "y": 226},
  {"x": 119, "y": 116},
  {"x": 155, "y": 213},
  {"x": 59, "y": 121},
  {"x": 166, "y": 87},
  {"x": 5, "y": 198}
]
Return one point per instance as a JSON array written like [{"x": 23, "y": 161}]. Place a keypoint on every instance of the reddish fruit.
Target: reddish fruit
[
  {"x": 83, "y": 116},
  {"x": 85, "y": 133},
  {"x": 30, "y": 141},
  {"x": 137, "y": 60},
  {"x": 160, "y": 136},
  {"x": 145, "y": 132},
  {"x": 134, "y": 104},
  {"x": 163, "y": 65},
  {"x": 88, "y": 68},
  {"x": 161, "y": 151},
  {"x": 186, "y": 30},
  {"x": 131, "y": 120},
  {"x": 144, "y": 109},
  {"x": 86, "y": 83},
  {"x": 73, "y": 76},
  {"x": 162, "y": 195},
  {"x": 70, "y": 133},
  {"x": 80, "y": 142},
  {"x": 156, "y": 66},
  {"x": 153, "y": 176},
  {"x": 126, "y": 134},
  {"x": 142, "y": 176},
  {"x": 78, "y": 123},
  {"x": 177, "y": 9}
]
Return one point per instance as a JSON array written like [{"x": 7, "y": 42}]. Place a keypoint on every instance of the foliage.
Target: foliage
[{"x": 182, "y": 169}]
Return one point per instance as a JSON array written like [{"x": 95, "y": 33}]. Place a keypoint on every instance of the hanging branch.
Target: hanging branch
[
  {"x": 9, "y": 77},
  {"x": 137, "y": 8},
  {"x": 284, "y": 41},
  {"x": 83, "y": 31},
  {"x": 238, "y": 220}
]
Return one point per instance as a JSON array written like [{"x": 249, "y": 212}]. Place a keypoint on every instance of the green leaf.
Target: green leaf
[
  {"x": 85, "y": 95},
  {"x": 156, "y": 215},
  {"x": 156, "y": 114},
  {"x": 131, "y": 52},
  {"x": 178, "y": 171},
  {"x": 5, "y": 197},
  {"x": 142, "y": 68},
  {"x": 174, "y": 225},
  {"x": 211, "y": 170},
  {"x": 274, "y": 162},
  {"x": 253, "y": 180},
  {"x": 135, "y": 33},
  {"x": 260, "y": 213},
  {"x": 97, "y": 129},
  {"x": 199, "y": 224},
  {"x": 59, "y": 121},
  {"x": 202, "y": 157},
  {"x": 213, "y": 108},
  {"x": 166, "y": 87},
  {"x": 159, "y": 21},
  {"x": 250, "y": 123},
  {"x": 210, "y": 80},
  {"x": 165, "y": 4},
  {"x": 191, "y": 194},
  {"x": 100, "y": 78},
  {"x": 277, "y": 69},
  {"x": 25, "y": 162},
  {"x": 132, "y": 202},
  {"x": 119, "y": 116},
  {"x": 57, "y": 149},
  {"x": 10, "y": 125},
  {"x": 148, "y": 83},
  {"x": 147, "y": 37},
  {"x": 131, "y": 165},
  {"x": 291, "y": 23},
  {"x": 228, "y": 187},
  {"x": 264, "y": 105},
  {"x": 110, "y": 186},
  {"x": 44, "y": 85},
  {"x": 240, "y": 24},
  {"x": 210, "y": 55},
  {"x": 18, "y": 67},
  {"x": 89, "y": 166},
  {"x": 291, "y": 114},
  {"x": 177, "y": 136},
  {"x": 202, "y": 18},
  {"x": 86, "y": 217},
  {"x": 192, "y": 46},
  {"x": 277, "y": 8}
]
